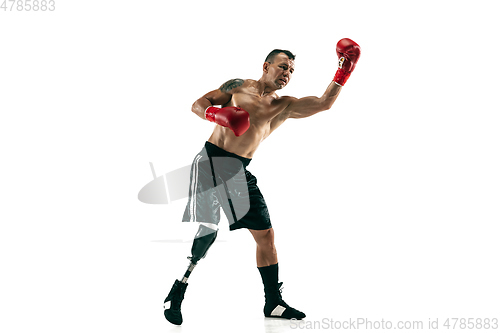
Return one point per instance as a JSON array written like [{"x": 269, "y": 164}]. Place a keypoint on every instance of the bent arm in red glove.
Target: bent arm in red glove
[{"x": 235, "y": 118}]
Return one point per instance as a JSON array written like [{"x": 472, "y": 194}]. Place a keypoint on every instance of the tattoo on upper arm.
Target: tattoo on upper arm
[{"x": 231, "y": 84}]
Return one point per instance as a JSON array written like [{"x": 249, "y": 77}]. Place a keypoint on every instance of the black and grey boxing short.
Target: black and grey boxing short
[{"x": 220, "y": 179}]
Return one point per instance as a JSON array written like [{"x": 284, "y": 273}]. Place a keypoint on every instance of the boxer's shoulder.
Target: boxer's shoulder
[{"x": 231, "y": 85}]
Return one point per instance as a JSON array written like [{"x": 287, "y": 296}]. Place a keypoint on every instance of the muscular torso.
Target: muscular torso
[{"x": 266, "y": 114}]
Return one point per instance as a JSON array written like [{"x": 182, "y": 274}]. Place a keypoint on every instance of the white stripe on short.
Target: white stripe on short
[{"x": 194, "y": 186}]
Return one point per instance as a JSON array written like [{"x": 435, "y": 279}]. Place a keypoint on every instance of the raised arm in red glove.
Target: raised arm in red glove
[{"x": 348, "y": 52}]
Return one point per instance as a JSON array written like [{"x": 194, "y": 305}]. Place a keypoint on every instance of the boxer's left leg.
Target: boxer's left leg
[
  {"x": 267, "y": 263},
  {"x": 204, "y": 238}
]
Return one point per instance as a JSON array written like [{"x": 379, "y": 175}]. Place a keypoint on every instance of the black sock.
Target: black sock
[{"x": 269, "y": 276}]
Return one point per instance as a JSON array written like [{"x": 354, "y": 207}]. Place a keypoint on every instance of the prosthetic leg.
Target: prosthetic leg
[{"x": 204, "y": 238}]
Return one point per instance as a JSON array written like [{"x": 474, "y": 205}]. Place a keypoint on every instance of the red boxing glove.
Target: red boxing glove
[
  {"x": 236, "y": 119},
  {"x": 348, "y": 52}
]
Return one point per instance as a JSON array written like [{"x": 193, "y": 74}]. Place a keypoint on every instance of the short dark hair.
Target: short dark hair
[{"x": 273, "y": 53}]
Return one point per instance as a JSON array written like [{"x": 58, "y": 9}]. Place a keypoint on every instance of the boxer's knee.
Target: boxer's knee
[{"x": 265, "y": 239}]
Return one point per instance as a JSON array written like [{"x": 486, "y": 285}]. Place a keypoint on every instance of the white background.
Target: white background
[{"x": 384, "y": 207}]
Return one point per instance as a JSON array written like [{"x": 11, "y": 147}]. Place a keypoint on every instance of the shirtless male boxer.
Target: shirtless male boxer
[{"x": 251, "y": 111}]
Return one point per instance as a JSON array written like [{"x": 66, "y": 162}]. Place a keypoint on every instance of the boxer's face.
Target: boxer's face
[{"x": 280, "y": 70}]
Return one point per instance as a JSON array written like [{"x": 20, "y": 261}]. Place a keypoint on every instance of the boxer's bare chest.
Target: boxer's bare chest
[{"x": 262, "y": 109}]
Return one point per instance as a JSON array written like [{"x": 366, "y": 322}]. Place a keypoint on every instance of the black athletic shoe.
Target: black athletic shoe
[
  {"x": 175, "y": 297},
  {"x": 277, "y": 308}
]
